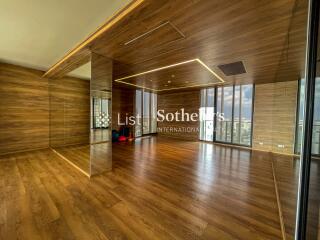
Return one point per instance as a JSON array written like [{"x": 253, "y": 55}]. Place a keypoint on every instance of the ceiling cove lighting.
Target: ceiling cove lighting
[
  {"x": 120, "y": 80},
  {"x": 107, "y": 25}
]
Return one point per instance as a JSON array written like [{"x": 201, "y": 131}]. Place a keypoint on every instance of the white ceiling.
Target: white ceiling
[
  {"x": 38, "y": 33},
  {"x": 82, "y": 72}
]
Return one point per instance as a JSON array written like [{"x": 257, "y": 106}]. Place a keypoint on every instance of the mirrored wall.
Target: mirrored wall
[
  {"x": 80, "y": 116},
  {"x": 69, "y": 120},
  {"x": 100, "y": 116}
]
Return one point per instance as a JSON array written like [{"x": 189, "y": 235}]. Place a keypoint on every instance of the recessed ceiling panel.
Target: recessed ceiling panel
[{"x": 164, "y": 33}]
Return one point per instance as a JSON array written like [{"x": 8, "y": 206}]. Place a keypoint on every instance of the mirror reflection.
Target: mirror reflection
[
  {"x": 69, "y": 119},
  {"x": 101, "y": 111}
]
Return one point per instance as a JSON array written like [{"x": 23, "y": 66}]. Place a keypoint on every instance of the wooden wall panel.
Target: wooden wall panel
[
  {"x": 122, "y": 103},
  {"x": 172, "y": 102},
  {"x": 24, "y": 109},
  {"x": 69, "y": 111},
  {"x": 275, "y": 117}
]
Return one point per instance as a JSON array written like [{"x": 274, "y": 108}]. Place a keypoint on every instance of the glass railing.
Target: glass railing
[{"x": 241, "y": 132}]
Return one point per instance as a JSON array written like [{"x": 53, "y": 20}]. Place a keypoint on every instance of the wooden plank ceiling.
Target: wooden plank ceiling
[{"x": 267, "y": 36}]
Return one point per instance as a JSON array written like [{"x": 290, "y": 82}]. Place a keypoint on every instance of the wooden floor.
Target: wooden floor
[
  {"x": 158, "y": 189},
  {"x": 78, "y": 155},
  {"x": 287, "y": 178}
]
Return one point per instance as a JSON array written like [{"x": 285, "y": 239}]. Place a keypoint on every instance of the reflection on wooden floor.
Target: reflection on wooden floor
[
  {"x": 101, "y": 158},
  {"x": 79, "y": 155},
  {"x": 158, "y": 189},
  {"x": 287, "y": 175},
  {"x": 100, "y": 135},
  {"x": 90, "y": 159}
]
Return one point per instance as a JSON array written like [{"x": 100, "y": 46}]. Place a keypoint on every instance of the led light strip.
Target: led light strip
[
  {"x": 113, "y": 20},
  {"x": 120, "y": 80},
  {"x": 154, "y": 29}
]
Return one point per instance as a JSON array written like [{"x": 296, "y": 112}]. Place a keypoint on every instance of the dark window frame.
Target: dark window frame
[{"x": 232, "y": 118}]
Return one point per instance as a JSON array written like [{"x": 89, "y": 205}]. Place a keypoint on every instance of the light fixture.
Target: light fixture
[
  {"x": 169, "y": 81},
  {"x": 102, "y": 29},
  {"x": 171, "y": 66}
]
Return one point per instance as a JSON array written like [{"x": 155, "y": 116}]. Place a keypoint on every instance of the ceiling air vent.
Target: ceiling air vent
[{"x": 231, "y": 69}]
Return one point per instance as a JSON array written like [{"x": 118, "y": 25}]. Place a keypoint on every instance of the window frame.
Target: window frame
[
  {"x": 142, "y": 112},
  {"x": 232, "y": 118}
]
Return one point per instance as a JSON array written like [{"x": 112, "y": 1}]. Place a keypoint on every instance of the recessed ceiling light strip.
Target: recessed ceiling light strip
[
  {"x": 146, "y": 33},
  {"x": 156, "y": 70},
  {"x": 216, "y": 75},
  {"x": 170, "y": 66},
  {"x": 173, "y": 88}
]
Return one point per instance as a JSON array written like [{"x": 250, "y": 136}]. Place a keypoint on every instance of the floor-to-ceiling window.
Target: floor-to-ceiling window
[
  {"x": 224, "y": 105},
  {"x": 138, "y": 113},
  {"x": 207, "y": 114},
  {"x": 146, "y": 113},
  {"x": 244, "y": 129},
  {"x": 235, "y": 103},
  {"x": 316, "y": 118},
  {"x": 153, "y": 112}
]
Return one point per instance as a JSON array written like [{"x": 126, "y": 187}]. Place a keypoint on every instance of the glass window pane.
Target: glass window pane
[
  {"x": 236, "y": 115},
  {"x": 209, "y": 120},
  {"x": 246, "y": 114},
  {"x": 202, "y": 113},
  {"x": 138, "y": 113},
  {"x": 316, "y": 120},
  {"x": 207, "y": 114},
  {"x": 154, "y": 109},
  {"x": 299, "y": 123},
  {"x": 146, "y": 113},
  {"x": 219, "y": 123},
  {"x": 224, "y": 103}
]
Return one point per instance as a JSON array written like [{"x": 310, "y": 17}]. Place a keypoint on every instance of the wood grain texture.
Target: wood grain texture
[
  {"x": 184, "y": 75},
  {"x": 287, "y": 178},
  {"x": 24, "y": 109},
  {"x": 287, "y": 174},
  {"x": 101, "y": 87},
  {"x": 122, "y": 103},
  {"x": 172, "y": 102},
  {"x": 77, "y": 155},
  {"x": 101, "y": 73},
  {"x": 80, "y": 58},
  {"x": 275, "y": 116},
  {"x": 69, "y": 111},
  {"x": 155, "y": 191},
  {"x": 268, "y": 36}
]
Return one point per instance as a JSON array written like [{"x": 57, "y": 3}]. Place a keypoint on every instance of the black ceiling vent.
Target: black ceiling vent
[{"x": 231, "y": 69}]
